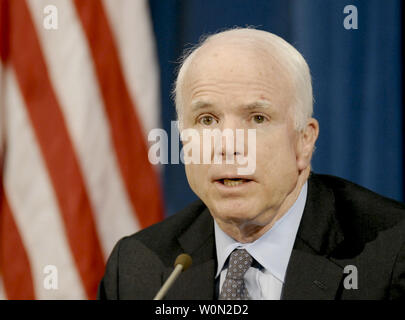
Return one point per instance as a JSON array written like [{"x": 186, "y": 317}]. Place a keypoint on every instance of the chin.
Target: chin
[{"x": 234, "y": 211}]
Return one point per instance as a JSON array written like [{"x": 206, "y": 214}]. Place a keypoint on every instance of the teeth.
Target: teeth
[{"x": 232, "y": 183}]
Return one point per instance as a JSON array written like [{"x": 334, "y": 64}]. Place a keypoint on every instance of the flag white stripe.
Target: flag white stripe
[
  {"x": 68, "y": 59},
  {"x": 2, "y": 292},
  {"x": 136, "y": 48},
  {"x": 33, "y": 203}
]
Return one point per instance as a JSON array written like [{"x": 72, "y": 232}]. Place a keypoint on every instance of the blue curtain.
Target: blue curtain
[{"x": 356, "y": 79}]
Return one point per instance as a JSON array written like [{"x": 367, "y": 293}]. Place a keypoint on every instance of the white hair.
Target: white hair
[{"x": 277, "y": 48}]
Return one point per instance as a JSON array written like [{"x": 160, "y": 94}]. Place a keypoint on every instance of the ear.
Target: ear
[{"x": 306, "y": 143}]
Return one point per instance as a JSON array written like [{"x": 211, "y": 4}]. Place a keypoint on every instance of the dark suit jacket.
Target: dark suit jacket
[{"x": 342, "y": 224}]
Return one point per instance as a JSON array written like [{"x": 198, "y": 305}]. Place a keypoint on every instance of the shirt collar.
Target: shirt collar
[{"x": 273, "y": 249}]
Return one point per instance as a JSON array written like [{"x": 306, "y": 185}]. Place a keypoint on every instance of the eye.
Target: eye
[
  {"x": 258, "y": 118},
  {"x": 206, "y": 120}
]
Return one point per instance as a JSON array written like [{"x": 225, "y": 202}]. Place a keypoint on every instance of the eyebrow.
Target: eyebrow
[
  {"x": 200, "y": 104},
  {"x": 259, "y": 104}
]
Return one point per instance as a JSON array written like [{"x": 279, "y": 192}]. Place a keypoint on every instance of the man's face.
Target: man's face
[{"x": 229, "y": 87}]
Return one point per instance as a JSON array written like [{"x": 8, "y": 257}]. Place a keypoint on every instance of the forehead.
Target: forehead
[{"x": 233, "y": 69}]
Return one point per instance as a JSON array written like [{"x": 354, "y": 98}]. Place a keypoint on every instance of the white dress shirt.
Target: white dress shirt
[{"x": 272, "y": 251}]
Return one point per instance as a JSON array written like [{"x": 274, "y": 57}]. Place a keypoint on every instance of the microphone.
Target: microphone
[{"x": 182, "y": 263}]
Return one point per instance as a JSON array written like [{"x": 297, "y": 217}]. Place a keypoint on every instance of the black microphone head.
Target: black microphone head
[{"x": 185, "y": 260}]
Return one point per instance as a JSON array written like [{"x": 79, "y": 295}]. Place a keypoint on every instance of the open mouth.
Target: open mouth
[{"x": 233, "y": 182}]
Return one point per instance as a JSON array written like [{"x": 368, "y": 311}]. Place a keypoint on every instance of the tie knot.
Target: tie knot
[{"x": 239, "y": 262}]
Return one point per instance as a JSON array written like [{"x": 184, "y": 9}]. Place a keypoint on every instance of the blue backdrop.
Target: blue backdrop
[{"x": 356, "y": 79}]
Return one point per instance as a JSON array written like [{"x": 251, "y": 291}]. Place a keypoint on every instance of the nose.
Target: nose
[{"x": 232, "y": 141}]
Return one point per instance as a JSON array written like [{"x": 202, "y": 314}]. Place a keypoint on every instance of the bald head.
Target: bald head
[{"x": 245, "y": 50}]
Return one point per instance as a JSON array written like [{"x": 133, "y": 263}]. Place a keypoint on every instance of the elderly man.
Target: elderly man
[{"x": 281, "y": 232}]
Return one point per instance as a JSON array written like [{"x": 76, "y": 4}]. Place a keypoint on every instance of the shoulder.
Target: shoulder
[
  {"x": 356, "y": 196},
  {"x": 161, "y": 239},
  {"x": 135, "y": 265},
  {"x": 358, "y": 207},
  {"x": 173, "y": 225}
]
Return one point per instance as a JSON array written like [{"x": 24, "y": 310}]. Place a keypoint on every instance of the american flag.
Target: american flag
[{"x": 76, "y": 103}]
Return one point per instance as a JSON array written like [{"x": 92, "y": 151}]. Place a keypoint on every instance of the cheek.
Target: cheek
[
  {"x": 276, "y": 153},
  {"x": 196, "y": 176}
]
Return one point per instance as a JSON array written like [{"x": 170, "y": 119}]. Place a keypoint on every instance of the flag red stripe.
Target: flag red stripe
[
  {"x": 4, "y": 29},
  {"x": 56, "y": 147},
  {"x": 14, "y": 264},
  {"x": 130, "y": 145}
]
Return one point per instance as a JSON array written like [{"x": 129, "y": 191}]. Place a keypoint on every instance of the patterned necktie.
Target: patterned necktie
[{"x": 233, "y": 287}]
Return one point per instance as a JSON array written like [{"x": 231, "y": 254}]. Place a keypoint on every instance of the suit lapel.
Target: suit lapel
[
  {"x": 196, "y": 283},
  {"x": 311, "y": 277},
  {"x": 310, "y": 273}
]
